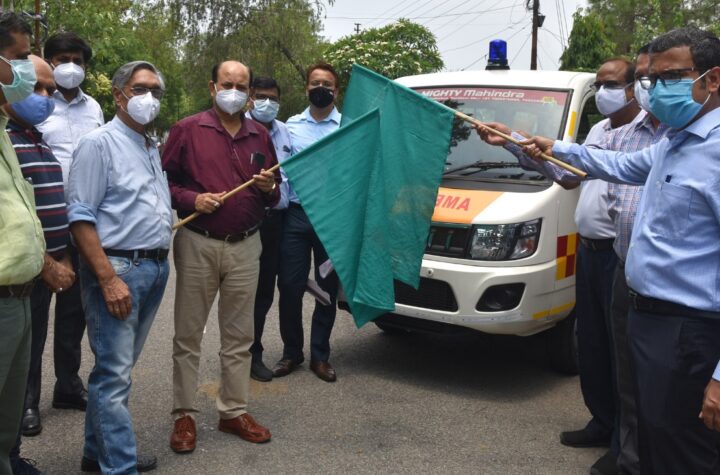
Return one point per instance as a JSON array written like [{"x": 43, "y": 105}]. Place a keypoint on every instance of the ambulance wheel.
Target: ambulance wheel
[{"x": 562, "y": 346}]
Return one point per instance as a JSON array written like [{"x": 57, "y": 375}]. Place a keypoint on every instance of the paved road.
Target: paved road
[{"x": 409, "y": 404}]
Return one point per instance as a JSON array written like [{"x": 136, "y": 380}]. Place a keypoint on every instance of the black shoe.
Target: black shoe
[
  {"x": 31, "y": 424},
  {"x": 145, "y": 463},
  {"x": 260, "y": 372},
  {"x": 71, "y": 401},
  {"x": 584, "y": 438},
  {"x": 605, "y": 465},
  {"x": 21, "y": 466}
]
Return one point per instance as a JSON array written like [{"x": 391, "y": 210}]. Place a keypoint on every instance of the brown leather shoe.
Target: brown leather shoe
[
  {"x": 284, "y": 367},
  {"x": 323, "y": 370},
  {"x": 245, "y": 427},
  {"x": 183, "y": 438}
]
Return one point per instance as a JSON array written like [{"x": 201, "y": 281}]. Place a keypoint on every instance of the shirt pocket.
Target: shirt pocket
[
  {"x": 670, "y": 213},
  {"x": 121, "y": 265}
]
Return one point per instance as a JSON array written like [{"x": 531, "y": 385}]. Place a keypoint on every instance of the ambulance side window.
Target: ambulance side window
[{"x": 588, "y": 117}]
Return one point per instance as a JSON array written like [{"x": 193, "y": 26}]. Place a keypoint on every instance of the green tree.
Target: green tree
[
  {"x": 588, "y": 45},
  {"x": 399, "y": 49},
  {"x": 277, "y": 38}
]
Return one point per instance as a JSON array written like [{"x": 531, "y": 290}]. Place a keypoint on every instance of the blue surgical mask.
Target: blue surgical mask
[
  {"x": 34, "y": 109},
  {"x": 24, "y": 80},
  {"x": 674, "y": 105},
  {"x": 265, "y": 110}
]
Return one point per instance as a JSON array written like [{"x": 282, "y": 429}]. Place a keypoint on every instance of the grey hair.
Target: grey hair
[{"x": 125, "y": 72}]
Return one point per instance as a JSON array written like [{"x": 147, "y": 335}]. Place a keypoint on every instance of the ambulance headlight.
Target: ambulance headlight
[{"x": 504, "y": 242}]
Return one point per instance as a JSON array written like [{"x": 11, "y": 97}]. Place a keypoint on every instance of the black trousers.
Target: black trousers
[
  {"x": 674, "y": 358},
  {"x": 299, "y": 240},
  {"x": 69, "y": 331},
  {"x": 270, "y": 236},
  {"x": 629, "y": 458},
  {"x": 593, "y": 294}
]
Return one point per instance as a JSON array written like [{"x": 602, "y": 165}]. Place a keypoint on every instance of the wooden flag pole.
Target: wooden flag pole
[
  {"x": 544, "y": 156},
  {"x": 225, "y": 196}
]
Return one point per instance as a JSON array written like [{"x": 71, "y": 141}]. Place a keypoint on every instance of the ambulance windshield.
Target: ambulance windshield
[{"x": 530, "y": 111}]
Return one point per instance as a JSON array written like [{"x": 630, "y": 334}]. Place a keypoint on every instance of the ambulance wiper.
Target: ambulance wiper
[{"x": 482, "y": 166}]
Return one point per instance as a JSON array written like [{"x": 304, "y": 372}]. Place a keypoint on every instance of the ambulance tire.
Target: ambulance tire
[{"x": 562, "y": 346}]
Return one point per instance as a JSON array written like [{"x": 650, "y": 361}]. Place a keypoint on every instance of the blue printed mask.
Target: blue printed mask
[
  {"x": 24, "y": 80},
  {"x": 265, "y": 111},
  {"x": 34, "y": 109},
  {"x": 673, "y": 104}
]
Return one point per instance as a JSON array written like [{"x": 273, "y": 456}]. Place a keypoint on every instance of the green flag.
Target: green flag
[{"x": 369, "y": 189}]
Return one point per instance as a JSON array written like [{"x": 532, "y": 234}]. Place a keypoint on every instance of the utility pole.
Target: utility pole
[
  {"x": 535, "y": 26},
  {"x": 357, "y": 28},
  {"x": 37, "y": 28}
]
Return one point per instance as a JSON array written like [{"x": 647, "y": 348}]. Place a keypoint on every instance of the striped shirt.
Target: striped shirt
[
  {"x": 40, "y": 167},
  {"x": 624, "y": 199}
]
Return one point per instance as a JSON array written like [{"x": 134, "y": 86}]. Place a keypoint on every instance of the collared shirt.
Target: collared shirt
[
  {"x": 67, "y": 124},
  {"x": 283, "y": 149},
  {"x": 675, "y": 251},
  {"x": 305, "y": 131},
  {"x": 624, "y": 199},
  {"x": 40, "y": 168},
  {"x": 117, "y": 183},
  {"x": 200, "y": 156},
  {"x": 591, "y": 213},
  {"x": 22, "y": 247}
]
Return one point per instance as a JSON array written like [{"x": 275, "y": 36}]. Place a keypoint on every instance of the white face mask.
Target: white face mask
[
  {"x": 143, "y": 109},
  {"x": 69, "y": 75},
  {"x": 609, "y": 101},
  {"x": 230, "y": 101},
  {"x": 265, "y": 110},
  {"x": 642, "y": 96}
]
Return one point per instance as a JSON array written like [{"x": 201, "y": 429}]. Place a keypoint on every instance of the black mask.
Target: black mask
[{"x": 321, "y": 97}]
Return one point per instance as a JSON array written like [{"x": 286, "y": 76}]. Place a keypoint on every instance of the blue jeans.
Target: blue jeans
[{"x": 109, "y": 436}]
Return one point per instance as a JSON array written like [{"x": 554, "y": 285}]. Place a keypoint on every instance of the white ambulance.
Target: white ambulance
[{"x": 500, "y": 257}]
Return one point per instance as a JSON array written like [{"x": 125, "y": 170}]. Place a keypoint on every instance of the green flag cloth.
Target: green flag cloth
[{"x": 369, "y": 188}]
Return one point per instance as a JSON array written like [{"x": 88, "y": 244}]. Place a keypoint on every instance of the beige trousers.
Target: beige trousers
[{"x": 203, "y": 267}]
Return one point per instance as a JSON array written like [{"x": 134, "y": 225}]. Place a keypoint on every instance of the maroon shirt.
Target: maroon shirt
[{"x": 200, "y": 156}]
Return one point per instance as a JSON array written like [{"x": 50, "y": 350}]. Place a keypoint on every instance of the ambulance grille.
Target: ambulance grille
[
  {"x": 448, "y": 241},
  {"x": 432, "y": 294}
]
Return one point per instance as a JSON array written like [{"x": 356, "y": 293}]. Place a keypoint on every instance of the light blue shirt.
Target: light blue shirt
[
  {"x": 305, "y": 131},
  {"x": 280, "y": 137},
  {"x": 116, "y": 182}
]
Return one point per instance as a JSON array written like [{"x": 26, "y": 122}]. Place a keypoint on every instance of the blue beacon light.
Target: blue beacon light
[{"x": 497, "y": 57}]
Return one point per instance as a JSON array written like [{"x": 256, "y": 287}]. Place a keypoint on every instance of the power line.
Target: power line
[
  {"x": 474, "y": 18},
  {"x": 518, "y": 51},
  {"x": 450, "y": 20},
  {"x": 397, "y": 5},
  {"x": 462, "y": 2},
  {"x": 475, "y": 42},
  {"x": 508, "y": 40},
  {"x": 420, "y": 17}
]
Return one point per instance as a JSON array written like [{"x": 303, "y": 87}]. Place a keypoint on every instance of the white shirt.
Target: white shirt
[
  {"x": 591, "y": 215},
  {"x": 67, "y": 124}
]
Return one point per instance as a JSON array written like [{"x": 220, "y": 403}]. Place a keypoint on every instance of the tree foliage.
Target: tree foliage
[
  {"x": 588, "y": 45},
  {"x": 399, "y": 49}
]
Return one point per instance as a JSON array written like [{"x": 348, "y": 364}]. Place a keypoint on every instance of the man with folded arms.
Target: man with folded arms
[
  {"x": 121, "y": 219},
  {"x": 207, "y": 154}
]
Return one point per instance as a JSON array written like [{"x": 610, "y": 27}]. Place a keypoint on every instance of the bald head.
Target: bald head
[{"x": 45, "y": 85}]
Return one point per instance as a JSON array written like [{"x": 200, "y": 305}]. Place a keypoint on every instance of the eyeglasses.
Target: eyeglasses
[
  {"x": 141, "y": 91},
  {"x": 608, "y": 85},
  {"x": 667, "y": 78}
]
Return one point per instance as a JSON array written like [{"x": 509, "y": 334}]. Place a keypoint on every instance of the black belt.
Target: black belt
[
  {"x": 663, "y": 307},
  {"x": 597, "y": 244},
  {"x": 154, "y": 254},
  {"x": 231, "y": 238},
  {"x": 19, "y": 291}
]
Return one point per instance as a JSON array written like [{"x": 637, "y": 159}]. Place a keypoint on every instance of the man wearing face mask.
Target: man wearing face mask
[
  {"x": 673, "y": 261},
  {"x": 596, "y": 262},
  {"x": 206, "y": 155},
  {"x": 23, "y": 247},
  {"x": 121, "y": 219},
  {"x": 40, "y": 168},
  {"x": 299, "y": 239},
  {"x": 75, "y": 114},
  {"x": 265, "y": 106}
]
